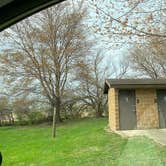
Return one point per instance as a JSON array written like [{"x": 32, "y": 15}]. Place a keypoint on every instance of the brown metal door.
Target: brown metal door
[
  {"x": 161, "y": 100},
  {"x": 127, "y": 109}
]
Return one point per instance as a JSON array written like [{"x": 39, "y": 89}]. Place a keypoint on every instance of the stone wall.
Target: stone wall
[
  {"x": 113, "y": 109},
  {"x": 146, "y": 109}
]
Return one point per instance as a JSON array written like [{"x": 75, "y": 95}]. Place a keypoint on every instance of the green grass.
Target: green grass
[{"x": 78, "y": 143}]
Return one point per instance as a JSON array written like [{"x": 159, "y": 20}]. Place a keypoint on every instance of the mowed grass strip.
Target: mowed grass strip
[{"x": 82, "y": 142}]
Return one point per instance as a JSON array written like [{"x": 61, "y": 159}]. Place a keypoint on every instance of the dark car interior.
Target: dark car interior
[{"x": 12, "y": 11}]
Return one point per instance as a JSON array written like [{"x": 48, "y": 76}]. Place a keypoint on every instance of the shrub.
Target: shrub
[{"x": 35, "y": 117}]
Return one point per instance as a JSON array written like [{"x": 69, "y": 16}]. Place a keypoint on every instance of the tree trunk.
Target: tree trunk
[
  {"x": 58, "y": 115},
  {"x": 99, "y": 112},
  {"x": 58, "y": 110},
  {"x": 12, "y": 117},
  {"x": 54, "y": 123},
  {"x": 9, "y": 119}
]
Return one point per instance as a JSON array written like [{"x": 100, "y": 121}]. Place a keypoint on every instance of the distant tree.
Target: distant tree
[
  {"x": 21, "y": 108},
  {"x": 119, "y": 69},
  {"x": 150, "y": 59},
  {"x": 4, "y": 103},
  {"x": 90, "y": 75},
  {"x": 6, "y": 113},
  {"x": 44, "y": 50}
]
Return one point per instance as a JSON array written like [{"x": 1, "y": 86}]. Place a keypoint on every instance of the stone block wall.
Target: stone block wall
[
  {"x": 146, "y": 109},
  {"x": 113, "y": 109}
]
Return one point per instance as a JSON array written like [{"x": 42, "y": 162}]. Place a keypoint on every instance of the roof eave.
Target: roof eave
[
  {"x": 106, "y": 86},
  {"x": 129, "y": 86}
]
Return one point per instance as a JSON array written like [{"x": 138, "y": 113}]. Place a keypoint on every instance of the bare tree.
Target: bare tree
[
  {"x": 6, "y": 113},
  {"x": 119, "y": 69},
  {"x": 90, "y": 75},
  {"x": 150, "y": 59},
  {"x": 44, "y": 50}
]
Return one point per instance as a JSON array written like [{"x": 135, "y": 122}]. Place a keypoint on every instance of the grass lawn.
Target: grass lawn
[{"x": 82, "y": 142}]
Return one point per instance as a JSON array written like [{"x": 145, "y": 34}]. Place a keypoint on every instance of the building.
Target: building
[{"x": 136, "y": 103}]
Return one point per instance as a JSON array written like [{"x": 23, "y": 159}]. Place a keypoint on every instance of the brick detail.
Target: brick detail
[
  {"x": 113, "y": 109},
  {"x": 146, "y": 108}
]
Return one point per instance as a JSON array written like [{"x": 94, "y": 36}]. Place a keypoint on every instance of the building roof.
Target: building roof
[{"x": 134, "y": 83}]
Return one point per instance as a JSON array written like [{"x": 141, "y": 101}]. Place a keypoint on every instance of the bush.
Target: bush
[
  {"x": 21, "y": 118},
  {"x": 30, "y": 117},
  {"x": 35, "y": 117}
]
